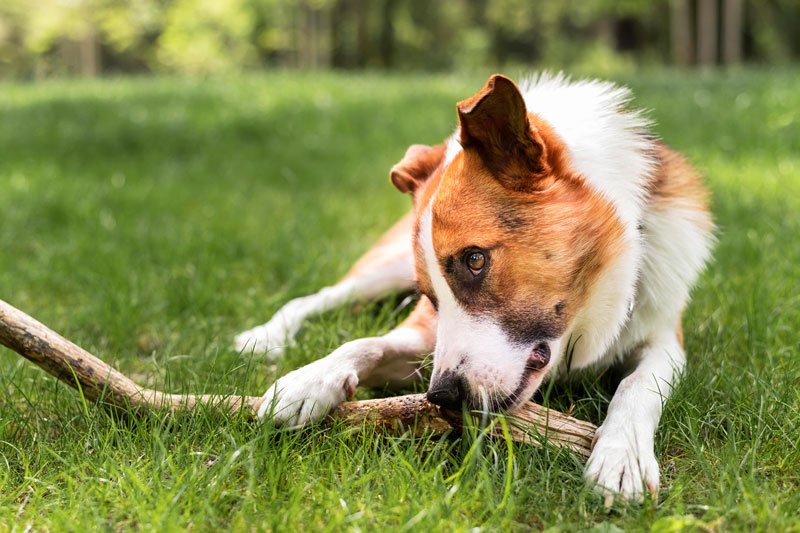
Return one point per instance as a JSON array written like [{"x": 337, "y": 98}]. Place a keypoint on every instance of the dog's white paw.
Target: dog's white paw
[
  {"x": 309, "y": 393},
  {"x": 271, "y": 339},
  {"x": 622, "y": 464}
]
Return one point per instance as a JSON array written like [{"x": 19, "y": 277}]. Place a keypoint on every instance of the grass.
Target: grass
[{"x": 149, "y": 220}]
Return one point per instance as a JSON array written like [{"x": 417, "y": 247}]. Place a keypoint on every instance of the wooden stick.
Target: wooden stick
[
  {"x": 531, "y": 423},
  {"x": 98, "y": 380},
  {"x": 94, "y": 377}
]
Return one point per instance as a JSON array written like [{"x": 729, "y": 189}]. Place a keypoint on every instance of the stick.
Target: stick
[
  {"x": 531, "y": 423},
  {"x": 97, "y": 380}
]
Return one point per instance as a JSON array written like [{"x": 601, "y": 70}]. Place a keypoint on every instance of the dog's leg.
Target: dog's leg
[
  {"x": 623, "y": 459},
  {"x": 309, "y": 393},
  {"x": 386, "y": 268}
]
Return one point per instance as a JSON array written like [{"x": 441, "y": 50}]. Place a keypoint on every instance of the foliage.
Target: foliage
[
  {"x": 52, "y": 37},
  {"x": 151, "y": 219},
  {"x": 208, "y": 35}
]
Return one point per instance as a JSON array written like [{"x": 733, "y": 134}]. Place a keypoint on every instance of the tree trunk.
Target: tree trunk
[
  {"x": 387, "y": 33},
  {"x": 90, "y": 54},
  {"x": 733, "y": 13},
  {"x": 707, "y": 34},
  {"x": 681, "y": 33},
  {"x": 338, "y": 15},
  {"x": 362, "y": 33}
]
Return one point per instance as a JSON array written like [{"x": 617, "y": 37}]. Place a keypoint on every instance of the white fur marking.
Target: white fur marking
[
  {"x": 605, "y": 142},
  {"x": 310, "y": 392},
  {"x": 478, "y": 346},
  {"x": 623, "y": 460},
  {"x": 453, "y": 147}
]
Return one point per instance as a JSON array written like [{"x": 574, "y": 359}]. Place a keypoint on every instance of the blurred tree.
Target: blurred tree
[
  {"x": 732, "y": 31},
  {"x": 274, "y": 31},
  {"x": 208, "y": 36},
  {"x": 15, "y": 56},
  {"x": 72, "y": 28},
  {"x": 129, "y": 30},
  {"x": 707, "y": 27},
  {"x": 681, "y": 33},
  {"x": 387, "y": 33},
  {"x": 59, "y": 37}
]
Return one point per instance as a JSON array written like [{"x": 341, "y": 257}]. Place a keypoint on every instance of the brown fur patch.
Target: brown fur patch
[
  {"x": 416, "y": 166},
  {"x": 676, "y": 184},
  {"x": 495, "y": 125},
  {"x": 544, "y": 247}
]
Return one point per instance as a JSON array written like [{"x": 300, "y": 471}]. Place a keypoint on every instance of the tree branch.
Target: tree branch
[{"x": 98, "y": 380}]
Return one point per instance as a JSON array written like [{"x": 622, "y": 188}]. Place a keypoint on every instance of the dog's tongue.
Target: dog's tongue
[{"x": 539, "y": 357}]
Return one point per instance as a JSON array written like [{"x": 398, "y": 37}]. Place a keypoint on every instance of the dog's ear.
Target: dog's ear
[
  {"x": 416, "y": 166},
  {"x": 494, "y": 124}
]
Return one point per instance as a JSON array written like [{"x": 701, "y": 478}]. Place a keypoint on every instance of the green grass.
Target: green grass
[{"x": 149, "y": 220}]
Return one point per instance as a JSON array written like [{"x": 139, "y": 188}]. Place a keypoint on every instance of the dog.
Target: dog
[{"x": 550, "y": 233}]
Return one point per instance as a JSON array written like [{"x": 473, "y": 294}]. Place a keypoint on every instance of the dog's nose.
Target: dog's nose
[{"x": 448, "y": 390}]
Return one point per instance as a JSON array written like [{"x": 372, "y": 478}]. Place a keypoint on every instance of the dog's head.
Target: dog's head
[{"x": 509, "y": 243}]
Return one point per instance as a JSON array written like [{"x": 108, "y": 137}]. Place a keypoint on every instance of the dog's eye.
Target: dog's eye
[{"x": 475, "y": 261}]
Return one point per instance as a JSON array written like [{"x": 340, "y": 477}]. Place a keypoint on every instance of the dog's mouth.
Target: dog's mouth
[{"x": 538, "y": 359}]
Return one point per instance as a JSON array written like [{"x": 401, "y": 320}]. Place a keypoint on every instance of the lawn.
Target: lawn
[{"x": 149, "y": 220}]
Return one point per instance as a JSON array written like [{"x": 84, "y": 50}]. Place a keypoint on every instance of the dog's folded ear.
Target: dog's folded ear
[
  {"x": 416, "y": 166},
  {"x": 494, "y": 124}
]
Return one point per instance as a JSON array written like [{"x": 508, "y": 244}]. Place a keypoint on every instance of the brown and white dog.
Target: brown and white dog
[{"x": 549, "y": 232}]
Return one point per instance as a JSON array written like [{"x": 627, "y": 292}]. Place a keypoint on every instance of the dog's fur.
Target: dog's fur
[{"x": 590, "y": 234}]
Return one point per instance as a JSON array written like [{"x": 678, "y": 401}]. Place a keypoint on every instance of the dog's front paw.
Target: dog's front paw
[
  {"x": 622, "y": 464},
  {"x": 308, "y": 393}
]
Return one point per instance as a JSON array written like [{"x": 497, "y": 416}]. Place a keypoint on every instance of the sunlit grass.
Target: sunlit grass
[{"x": 149, "y": 220}]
